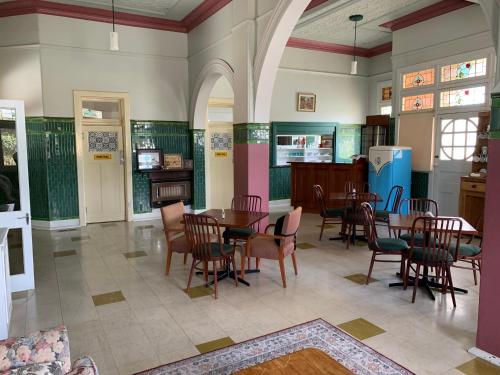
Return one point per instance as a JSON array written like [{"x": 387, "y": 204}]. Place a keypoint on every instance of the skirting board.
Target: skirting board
[
  {"x": 282, "y": 205},
  {"x": 156, "y": 214},
  {"x": 55, "y": 225},
  {"x": 485, "y": 355}
]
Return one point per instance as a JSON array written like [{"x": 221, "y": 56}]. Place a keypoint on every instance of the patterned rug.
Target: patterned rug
[{"x": 349, "y": 352}]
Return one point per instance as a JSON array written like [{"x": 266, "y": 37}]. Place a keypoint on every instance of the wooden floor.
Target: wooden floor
[{"x": 309, "y": 361}]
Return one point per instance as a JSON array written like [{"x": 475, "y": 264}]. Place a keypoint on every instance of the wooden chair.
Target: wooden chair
[
  {"x": 174, "y": 232},
  {"x": 353, "y": 187},
  {"x": 417, "y": 206},
  {"x": 391, "y": 206},
  {"x": 353, "y": 214},
  {"x": 329, "y": 215},
  {"x": 433, "y": 251},
  {"x": 249, "y": 203},
  {"x": 381, "y": 246},
  {"x": 469, "y": 253},
  {"x": 276, "y": 246},
  {"x": 204, "y": 236}
]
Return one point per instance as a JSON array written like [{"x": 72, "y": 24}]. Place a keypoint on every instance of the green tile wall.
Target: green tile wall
[
  {"x": 198, "y": 144},
  {"x": 251, "y": 133},
  {"x": 419, "y": 184},
  {"x": 279, "y": 183},
  {"x": 170, "y": 136},
  {"x": 495, "y": 116}
]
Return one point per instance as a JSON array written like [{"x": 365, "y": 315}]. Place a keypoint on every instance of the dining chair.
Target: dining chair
[
  {"x": 420, "y": 207},
  {"x": 353, "y": 214},
  {"x": 469, "y": 252},
  {"x": 381, "y": 246},
  {"x": 353, "y": 187},
  {"x": 433, "y": 251},
  {"x": 330, "y": 215},
  {"x": 276, "y": 246},
  {"x": 204, "y": 236},
  {"x": 177, "y": 242},
  {"x": 391, "y": 206}
]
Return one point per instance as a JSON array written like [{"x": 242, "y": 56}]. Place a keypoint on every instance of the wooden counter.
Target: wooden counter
[
  {"x": 472, "y": 197},
  {"x": 331, "y": 176}
]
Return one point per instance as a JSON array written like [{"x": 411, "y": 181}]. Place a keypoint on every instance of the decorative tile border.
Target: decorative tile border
[{"x": 251, "y": 133}]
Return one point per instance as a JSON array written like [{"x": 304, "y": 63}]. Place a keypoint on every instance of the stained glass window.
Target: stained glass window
[
  {"x": 386, "y": 93},
  {"x": 418, "y": 102},
  {"x": 460, "y": 97},
  {"x": 418, "y": 79},
  {"x": 463, "y": 70},
  {"x": 458, "y": 138}
]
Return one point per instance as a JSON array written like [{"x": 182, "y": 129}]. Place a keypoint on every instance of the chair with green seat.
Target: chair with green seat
[
  {"x": 204, "y": 236},
  {"x": 330, "y": 216},
  {"x": 391, "y": 206},
  {"x": 248, "y": 203},
  {"x": 469, "y": 253},
  {"x": 381, "y": 246},
  {"x": 438, "y": 233},
  {"x": 418, "y": 207}
]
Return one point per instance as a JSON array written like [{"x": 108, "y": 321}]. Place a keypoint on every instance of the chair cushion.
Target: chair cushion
[
  {"x": 238, "y": 233},
  {"x": 215, "y": 249},
  {"x": 419, "y": 238},
  {"x": 418, "y": 255},
  {"x": 392, "y": 244},
  {"x": 333, "y": 212},
  {"x": 466, "y": 250}
]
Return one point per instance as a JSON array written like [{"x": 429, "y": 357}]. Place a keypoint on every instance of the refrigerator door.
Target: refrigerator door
[{"x": 381, "y": 173}]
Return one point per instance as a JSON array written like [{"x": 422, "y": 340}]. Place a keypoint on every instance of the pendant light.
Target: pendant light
[
  {"x": 113, "y": 35},
  {"x": 354, "y": 64}
]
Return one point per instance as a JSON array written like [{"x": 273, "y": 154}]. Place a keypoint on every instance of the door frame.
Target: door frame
[{"x": 123, "y": 97}]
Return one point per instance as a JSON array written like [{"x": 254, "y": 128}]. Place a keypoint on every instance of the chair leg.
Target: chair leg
[
  {"x": 215, "y": 280},
  {"x": 169, "y": 260},
  {"x": 349, "y": 235},
  {"x": 205, "y": 271},
  {"x": 235, "y": 273},
  {"x": 389, "y": 230},
  {"x": 370, "y": 269},
  {"x": 474, "y": 271},
  {"x": 257, "y": 263},
  {"x": 402, "y": 268},
  {"x": 282, "y": 270},
  {"x": 407, "y": 275},
  {"x": 450, "y": 282},
  {"x": 185, "y": 258},
  {"x": 294, "y": 261},
  {"x": 191, "y": 275},
  {"x": 322, "y": 227},
  {"x": 242, "y": 265},
  {"x": 415, "y": 285}
]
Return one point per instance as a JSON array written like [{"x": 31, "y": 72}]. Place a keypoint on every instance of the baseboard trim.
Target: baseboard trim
[
  {"x": 493, "y": 359},
  {"x": 154, "y": 214},
  {"x": 55, "y": 224},
  {"x": 280, "y": 205}
]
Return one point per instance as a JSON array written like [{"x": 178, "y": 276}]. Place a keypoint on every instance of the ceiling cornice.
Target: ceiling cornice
[
  {"x": 424, "y": 14},
  {"x": 315, "y": 45},
  {"x": 191, "y": 21}
]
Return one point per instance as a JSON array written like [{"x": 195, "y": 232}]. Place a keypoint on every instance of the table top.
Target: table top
[
  {"x": 401, "y": 221},
  {"x": 340, "y": 196},
  {"x": 236, "y": 219},
  {"x": 310, "y": 361}
]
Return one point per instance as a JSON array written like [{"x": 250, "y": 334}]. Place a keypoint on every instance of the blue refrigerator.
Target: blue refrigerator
[{"x": 389, "y": 166}]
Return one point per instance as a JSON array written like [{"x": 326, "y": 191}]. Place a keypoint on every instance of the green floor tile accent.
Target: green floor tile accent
[
  {"x": 305, "y": 246},
  {"x": 107, "y": 298},
  {"x": 215, "y": 345},
  {"x": 65, "y": 253},
  {"x": 479, "y": 366},
  {"x": 361, "y": 329},
  {"x": 135, "y": 254},
  {"x": 199, "y": 291},
  {"x": 80, "y": 238},
  {"x": 359, "y": 278}
]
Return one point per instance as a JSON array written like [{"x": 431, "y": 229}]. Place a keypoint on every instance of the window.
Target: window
[
  {"x": 418, "y": 78},
  {"x": 386, "y": 110},
  {"x": 460, "y": 97},
  {"x": 458, "y": 138},
  {"x": 418, "y": 102},
  {"x": 7, "y": 114},
  {"x": 463, "y": 70}
]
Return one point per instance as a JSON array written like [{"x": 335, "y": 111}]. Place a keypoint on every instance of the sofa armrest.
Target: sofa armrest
[{"x": 84, "y": 366}]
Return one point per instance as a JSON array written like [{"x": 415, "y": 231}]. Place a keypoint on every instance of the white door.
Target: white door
[
  {"x": 220, "y": 165},
  {"x": 15, "y": 211},
  {"x": 104, "y": 173},
  {"x": 456, "y": 137}
]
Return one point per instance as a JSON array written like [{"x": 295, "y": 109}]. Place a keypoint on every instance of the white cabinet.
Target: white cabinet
[{"x": 5, "y": 293}]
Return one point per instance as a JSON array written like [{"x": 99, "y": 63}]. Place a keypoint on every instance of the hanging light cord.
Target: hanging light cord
[
  {"x": 355, "y": 32},
  {"x": 113, "y": 11}
]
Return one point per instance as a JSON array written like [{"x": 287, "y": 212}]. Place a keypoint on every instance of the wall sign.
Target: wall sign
[
  {"x": 221, "y": 154},
  {"x": 103, "y": 156}
]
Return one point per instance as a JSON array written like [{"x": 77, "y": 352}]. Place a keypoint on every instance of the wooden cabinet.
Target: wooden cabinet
[{"x": 472, "y": 194}]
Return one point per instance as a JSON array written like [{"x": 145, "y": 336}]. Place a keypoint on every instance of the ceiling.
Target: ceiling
[
  {"x": 330, "y": 23},
  {"x": 174, "y": 10}
]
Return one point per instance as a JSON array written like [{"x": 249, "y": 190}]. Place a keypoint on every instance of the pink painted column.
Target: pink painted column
[{"x": 488, "y": 332}]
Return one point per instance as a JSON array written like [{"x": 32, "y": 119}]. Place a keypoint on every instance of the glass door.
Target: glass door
[{"x": 15, "y": 212}]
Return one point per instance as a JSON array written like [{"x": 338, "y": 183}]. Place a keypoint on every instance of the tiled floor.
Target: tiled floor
[{"x": 156, "y": 322}]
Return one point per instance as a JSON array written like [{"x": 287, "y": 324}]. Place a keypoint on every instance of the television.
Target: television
[{"x": 149, "y": 159}]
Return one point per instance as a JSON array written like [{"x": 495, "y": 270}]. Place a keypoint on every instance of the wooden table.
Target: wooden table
[
  {"x": 405, "y": 222},
  {"x": 235, "y": 219},
  {"x": 310, "y": 361}
]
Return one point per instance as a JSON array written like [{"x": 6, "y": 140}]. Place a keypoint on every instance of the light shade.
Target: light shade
[
  {"x": 113, "y": 41},
  {"x": 354, "y": 67}
]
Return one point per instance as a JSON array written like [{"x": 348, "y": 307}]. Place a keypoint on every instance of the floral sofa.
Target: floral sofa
[{"x": 44, "y": 353}]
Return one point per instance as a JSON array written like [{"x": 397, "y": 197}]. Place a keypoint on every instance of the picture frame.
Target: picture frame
[
  {"x": 306, "y": 102},
  {"x": 149, "y": 159},
  {"x": 173, "y": 161},
  {"x": 188, "y": 163}
]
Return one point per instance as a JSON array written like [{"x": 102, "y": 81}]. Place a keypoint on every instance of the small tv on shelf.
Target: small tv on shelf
[{"x": 149, "y": 159}]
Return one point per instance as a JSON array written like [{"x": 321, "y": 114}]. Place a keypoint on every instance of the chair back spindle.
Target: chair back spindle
[
  {"x": 369, "y": 225},
  {"x": 202, "y": 231},
  {"x": 419, "y": 206},
  {"x": 319, "y": 197},
  {"x": 248, "y": 203},
  {"x": 359, "y": 187},
  {"x": 394, "y": 199}
]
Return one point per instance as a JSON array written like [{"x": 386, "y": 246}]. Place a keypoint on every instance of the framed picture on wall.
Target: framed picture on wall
[
  {"x": 306, "y": 102},
  {"x": 173, "y": 161}
]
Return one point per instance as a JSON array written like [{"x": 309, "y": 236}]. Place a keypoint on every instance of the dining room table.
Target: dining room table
[
  {"x": 235, "y": 219},
  {"x": 399, "y": 222}
]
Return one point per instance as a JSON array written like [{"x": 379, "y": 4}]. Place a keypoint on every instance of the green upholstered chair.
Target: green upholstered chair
[
  {"x": 329, "y": 215},
  {"x": 438, "y": 234},
  {"x": 353, "y": 213},
  {"x": 391, "y": 206},
  {"x": 468, "y": 253},
  {"x": 381, "y": 246},
  {"x": 420, "y": 207}
]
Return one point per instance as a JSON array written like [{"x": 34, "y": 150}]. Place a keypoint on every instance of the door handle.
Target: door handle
[{"x": 27, "y": 217}]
